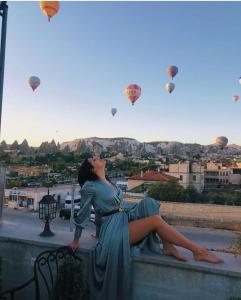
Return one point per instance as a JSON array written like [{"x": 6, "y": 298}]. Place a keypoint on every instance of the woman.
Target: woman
[{"x": 124, "y": 231}]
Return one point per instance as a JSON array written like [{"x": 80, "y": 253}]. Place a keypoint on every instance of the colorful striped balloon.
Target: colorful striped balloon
[
  {"x": 133, "y": 92},
  {"x": 49, "y": 8}
]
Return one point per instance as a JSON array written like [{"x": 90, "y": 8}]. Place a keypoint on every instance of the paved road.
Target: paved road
[{"x": 211, "y": 238}]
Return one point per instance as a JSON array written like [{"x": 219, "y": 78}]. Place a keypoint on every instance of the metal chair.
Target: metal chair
[{"x": 46, "y": 270}]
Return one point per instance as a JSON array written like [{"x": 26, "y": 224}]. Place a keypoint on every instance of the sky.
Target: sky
[{"x": 89, "y": 53}]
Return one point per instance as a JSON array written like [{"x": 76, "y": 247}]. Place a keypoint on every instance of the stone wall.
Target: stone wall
[
  {"x": 156, "y": 277},
  {"x": 201, "y": 215},
  {"x": 165, "y": 280}
]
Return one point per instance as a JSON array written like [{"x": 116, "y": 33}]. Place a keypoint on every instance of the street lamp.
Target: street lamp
[
  {"x": 3, "y": 14},
  {"x": 47, "y": 212}
]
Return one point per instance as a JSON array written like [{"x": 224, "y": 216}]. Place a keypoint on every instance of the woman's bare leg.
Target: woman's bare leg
[
  {"x": 170, "y": 250},
  {"x": 141, "y": 228}
]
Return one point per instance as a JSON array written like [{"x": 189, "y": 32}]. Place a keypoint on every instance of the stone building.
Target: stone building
[{"x": 189, "y": 174}]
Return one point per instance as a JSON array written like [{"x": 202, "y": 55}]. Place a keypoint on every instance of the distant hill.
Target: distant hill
[
  {"x": 133, "y": 147},
  {"x": 127, "y": 146}
]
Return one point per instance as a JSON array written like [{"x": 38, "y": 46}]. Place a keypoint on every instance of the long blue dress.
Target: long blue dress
[{"x": 110, "y": 269}]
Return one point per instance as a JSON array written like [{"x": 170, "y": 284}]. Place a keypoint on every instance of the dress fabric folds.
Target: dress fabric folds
[{"x": 110, "y": 264}]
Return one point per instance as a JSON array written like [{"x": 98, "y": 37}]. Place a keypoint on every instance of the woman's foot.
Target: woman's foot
[
  {"x": 203, "y": 254},
  {"x": 170, "y": 250}
]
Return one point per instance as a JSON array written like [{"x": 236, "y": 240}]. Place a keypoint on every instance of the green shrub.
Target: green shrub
[{"x": 71, "y": 283}]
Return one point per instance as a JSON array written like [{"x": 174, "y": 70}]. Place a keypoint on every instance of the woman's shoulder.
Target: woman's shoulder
[{"x": 89, "y": 186}]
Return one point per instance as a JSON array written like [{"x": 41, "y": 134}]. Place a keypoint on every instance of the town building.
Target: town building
[
  {"x": 143, "y": 180},
  {"x": 188, "y": 174},
  {"x": 28, "y": 171},
  {"x": 235, "y": 174},
  {"x": 30, "y": 197},
  {"x": 216, "y": 174}
]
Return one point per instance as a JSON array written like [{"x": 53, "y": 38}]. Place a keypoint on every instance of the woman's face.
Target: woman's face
[{"x": 97, "y": 163}]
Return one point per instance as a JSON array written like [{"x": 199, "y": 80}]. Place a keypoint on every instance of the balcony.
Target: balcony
[{"x": 155, "y": 277}]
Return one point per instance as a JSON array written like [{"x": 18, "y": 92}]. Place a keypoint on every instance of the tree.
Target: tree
[
  {"x": 168, "y": 191},
  {"x": 191, "y": 195}
]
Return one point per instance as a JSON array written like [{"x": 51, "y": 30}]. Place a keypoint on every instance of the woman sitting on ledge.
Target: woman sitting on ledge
[{"x": 124, "y": 232}]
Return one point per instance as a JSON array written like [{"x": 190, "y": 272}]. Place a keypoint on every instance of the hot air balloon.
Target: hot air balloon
[
  {"x": 222, "y": 141},
  {"x": 133, "y": 92},
  {"x": 170, "y": 87},
  {"x": 240, "y": 80},
  {"x": 235, "y": 98},
  {"x": 49, "y": 8},
  {"x": 172, "y": 71},
  {"x": 113, "y": 111},
  {"x": 34, "y": 82}
]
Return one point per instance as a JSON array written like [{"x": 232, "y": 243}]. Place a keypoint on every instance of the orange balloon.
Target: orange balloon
[
  {"x": 222, "y": 141},
  {"x": 133, "y": 92},
  {"x": 49, "y": 8}
]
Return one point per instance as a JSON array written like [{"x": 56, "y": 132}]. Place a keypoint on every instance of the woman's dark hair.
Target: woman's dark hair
[{"x": 86, "y": 173}]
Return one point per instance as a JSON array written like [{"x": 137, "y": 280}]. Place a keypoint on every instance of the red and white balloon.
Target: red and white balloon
[{"x": 133, "y": 92}]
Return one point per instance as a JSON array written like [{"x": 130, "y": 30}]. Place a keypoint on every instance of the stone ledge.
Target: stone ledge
[
  {"x": 231, "y": 266},
  {"x": 155, "y": 277}
]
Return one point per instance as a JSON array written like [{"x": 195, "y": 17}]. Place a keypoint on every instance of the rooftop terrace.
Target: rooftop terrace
[{"x": 155, "y": 277}]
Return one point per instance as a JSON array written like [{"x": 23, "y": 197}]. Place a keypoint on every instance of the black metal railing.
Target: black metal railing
[{"x": 45, "y": 273}]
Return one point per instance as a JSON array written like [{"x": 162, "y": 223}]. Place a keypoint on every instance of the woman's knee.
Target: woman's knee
[{"x": 155, "y": 221}]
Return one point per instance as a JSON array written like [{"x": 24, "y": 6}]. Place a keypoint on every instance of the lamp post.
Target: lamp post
[
  {"x": 71, "y": 223},
  {"x": 3, "y": 14},
  {"x": 47, "y": 212}
]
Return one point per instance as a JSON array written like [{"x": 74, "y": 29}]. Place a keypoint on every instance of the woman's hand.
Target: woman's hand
[{"x": 74, "y": 245}]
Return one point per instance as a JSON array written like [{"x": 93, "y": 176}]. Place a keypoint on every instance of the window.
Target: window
[
  {"x": 30, "y": 201},
  {"x": 194, "y": 177},
  {"x": 181, "y": 178}
]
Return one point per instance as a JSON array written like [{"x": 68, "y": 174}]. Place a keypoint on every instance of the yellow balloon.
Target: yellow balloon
[{"x": 49, "y": 8}]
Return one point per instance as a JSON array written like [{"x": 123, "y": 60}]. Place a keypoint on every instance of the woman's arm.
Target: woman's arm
[
  {"x": 82, "y": 219},
  {"x": 77, "y": 233}
]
